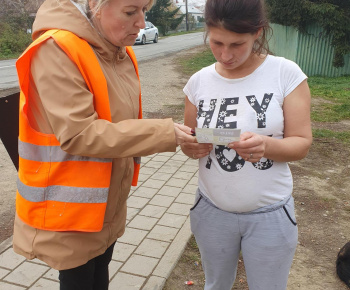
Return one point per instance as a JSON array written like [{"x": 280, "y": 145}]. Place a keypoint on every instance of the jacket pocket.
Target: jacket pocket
[
  {"x": 195, "y": 205},
  {"x": 289, "y": 216}
]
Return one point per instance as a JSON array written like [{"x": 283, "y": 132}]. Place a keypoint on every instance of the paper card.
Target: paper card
[{"x": 217, "y": 136}]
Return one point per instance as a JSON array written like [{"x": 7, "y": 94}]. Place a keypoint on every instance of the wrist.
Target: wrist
[{"x": 266, "y": 144}]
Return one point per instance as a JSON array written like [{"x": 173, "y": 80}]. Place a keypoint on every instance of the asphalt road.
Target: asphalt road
[
  {"x": 8, "y": 75},
  {"x": 165, "y": 46}
]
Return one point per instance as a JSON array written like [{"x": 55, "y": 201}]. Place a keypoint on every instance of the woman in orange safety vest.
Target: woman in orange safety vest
[{"x": 81, "y": 135}]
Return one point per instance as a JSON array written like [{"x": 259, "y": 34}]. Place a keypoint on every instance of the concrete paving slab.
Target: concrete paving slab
[
  {"x": 140, "y": 265},
  {"x": 163, "y": 233},
  {"x": 122, "y": 251},
  {"x": 10, "y": 260},
  {"x": 132, "y": 236},
  {"x": 26, "y": 274},
  {"x": 143, "y": 222},
  {"x": 161, "y": 176},
  {"x": 172, "y": 220},
  {"x": 7, "y": 286},
  {"x": 153, "y": 211},
  {"x": 152, "y": 248},
  {"x": 131, "y": 213},
  {"x": 52, "y": 275},
  {"x": 153, "y": 183},
  {"x": 154, "y": 283},
  {"x": 176, "y": 182},
  {"x": 155, "y": 164},
  {"x": 162, "y": 200},
  {"x": 3, "y": 273},
  {"x": 45, "y": 284},
  {"x": 179, "y": 208},
  {"x": 169, "y": 191},
  {"x": 146, "y": 192},
  {"x": 126, "y": 282},
  {"x": 185, "y": 198},
  {"x": 137, "y": 202}
]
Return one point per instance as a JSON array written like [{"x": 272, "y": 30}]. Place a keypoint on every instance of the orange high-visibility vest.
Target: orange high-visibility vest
[{"x": 59, "y": 191}]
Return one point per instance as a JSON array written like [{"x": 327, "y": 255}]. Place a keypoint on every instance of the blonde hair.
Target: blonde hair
[{"x": 99, "y": 4}]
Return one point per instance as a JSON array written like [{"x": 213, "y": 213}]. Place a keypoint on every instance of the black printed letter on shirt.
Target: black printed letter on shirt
[
  {"x": 260, "y": 109},
  {"x": 208, "y": 114}
]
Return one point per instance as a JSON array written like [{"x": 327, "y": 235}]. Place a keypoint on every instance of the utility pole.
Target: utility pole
[{"x": 186, "y": 15}]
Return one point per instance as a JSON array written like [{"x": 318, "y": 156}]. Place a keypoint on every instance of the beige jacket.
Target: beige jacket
[{"x": 61, "y": 103}]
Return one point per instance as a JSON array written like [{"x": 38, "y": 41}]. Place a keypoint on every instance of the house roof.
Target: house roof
[{"x": 191, "y": 9}]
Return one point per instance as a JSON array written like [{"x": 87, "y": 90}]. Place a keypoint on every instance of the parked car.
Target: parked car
[{"x": 149, "y": 33}]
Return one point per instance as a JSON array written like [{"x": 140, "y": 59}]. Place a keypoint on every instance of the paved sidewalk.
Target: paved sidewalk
[{"x": 157, "y": 232}]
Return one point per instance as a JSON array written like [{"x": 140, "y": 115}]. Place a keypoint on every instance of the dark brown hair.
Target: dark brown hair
[{"x": 240, "y": 16}]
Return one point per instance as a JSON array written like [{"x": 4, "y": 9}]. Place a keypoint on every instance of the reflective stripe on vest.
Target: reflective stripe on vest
[
  {"x": 62, "y": 193},
  {"x": 51, "y": 154},
  {"x": 56, "y": 190}
]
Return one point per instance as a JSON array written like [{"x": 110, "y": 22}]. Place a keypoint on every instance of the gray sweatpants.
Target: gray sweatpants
[{"x": 267, "y": 238}]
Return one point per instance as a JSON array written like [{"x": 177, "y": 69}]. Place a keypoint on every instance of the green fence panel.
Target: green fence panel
[{"x": 312, "y": 51}]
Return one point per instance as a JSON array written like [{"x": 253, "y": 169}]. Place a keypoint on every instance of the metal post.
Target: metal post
[{"x": 186, "y": 16}]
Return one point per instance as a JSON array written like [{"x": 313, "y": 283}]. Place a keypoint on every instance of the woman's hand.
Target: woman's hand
[
  {"x": 251, "y": 147},
  {"x": 183, "y": 134},
  {"x": 196, "y": 150},
  {"x": 193, "y": 149}
]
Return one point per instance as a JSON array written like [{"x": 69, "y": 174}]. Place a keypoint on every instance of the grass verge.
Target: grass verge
[
  {"x": 183, "y": 32},
  {"x": 193, "y": 63},
  {"x": 343, "y": 136},
  {"x": 333, "y": 98}
]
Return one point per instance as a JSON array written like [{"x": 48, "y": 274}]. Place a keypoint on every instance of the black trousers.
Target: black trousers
[{"x": 93, "y": 275}]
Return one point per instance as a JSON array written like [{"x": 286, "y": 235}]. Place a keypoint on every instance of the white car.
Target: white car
[{"x": 149, "y": 33}]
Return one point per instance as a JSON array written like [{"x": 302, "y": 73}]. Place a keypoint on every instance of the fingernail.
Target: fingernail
[{"x": 193, "y": 132}]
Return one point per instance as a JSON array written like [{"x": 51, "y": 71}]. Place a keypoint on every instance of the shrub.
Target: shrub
[
  {"x": 12, "y": 41},
  {"x": 332, "y": 15}
]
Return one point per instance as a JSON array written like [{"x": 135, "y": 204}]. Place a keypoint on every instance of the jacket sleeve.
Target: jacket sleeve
[{"x": 65, "y": 104}]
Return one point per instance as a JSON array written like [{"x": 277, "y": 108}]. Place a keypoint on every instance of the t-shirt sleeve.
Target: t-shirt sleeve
[
  {"x": 190, "y": 88},
  {"x": 291, "y": 76}
]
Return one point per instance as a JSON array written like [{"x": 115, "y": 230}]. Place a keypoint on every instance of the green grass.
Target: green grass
[
  {"x": 331, "y": 95},
  {"x": 194, "y": 63},
  {"x": 183, "y": 32},
  {"x": 334, "y": 98},
  {"x": 9, "y": 56},
  {"x": 343, "y": 136}
]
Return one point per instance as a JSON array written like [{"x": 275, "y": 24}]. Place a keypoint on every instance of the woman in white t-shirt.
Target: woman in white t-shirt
[{"x": 244, "y": 199}]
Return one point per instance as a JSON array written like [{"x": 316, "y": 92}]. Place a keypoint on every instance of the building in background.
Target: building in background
[{"x": 195, "y": 11}]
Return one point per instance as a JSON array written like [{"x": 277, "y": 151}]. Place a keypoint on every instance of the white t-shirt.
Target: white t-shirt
[{"x": 253, "y": 103}]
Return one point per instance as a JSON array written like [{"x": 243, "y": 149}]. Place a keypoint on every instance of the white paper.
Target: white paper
[{"x": 217, "y": 136}]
